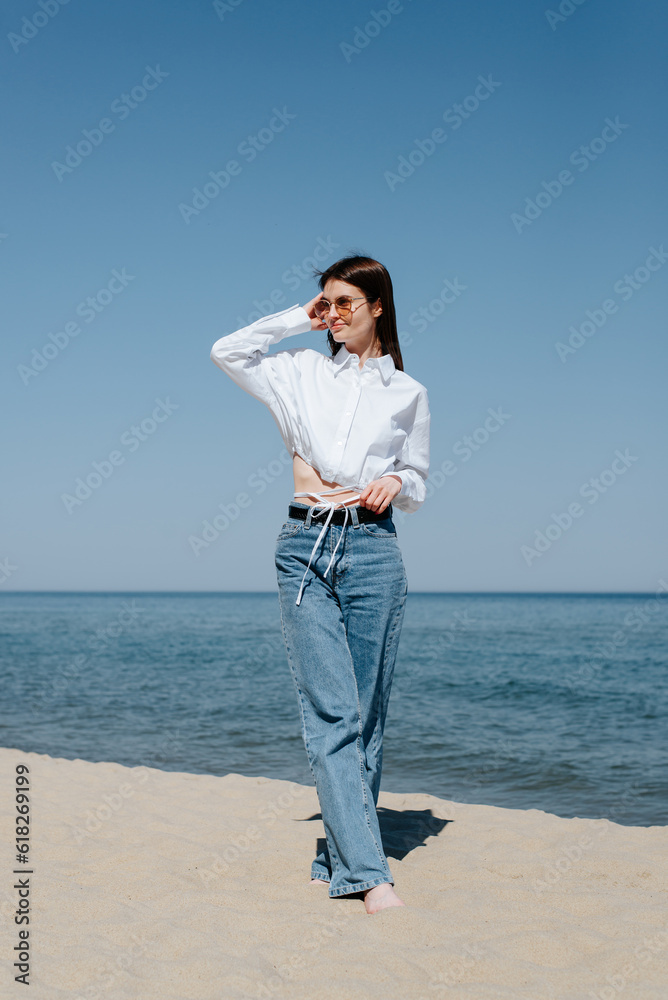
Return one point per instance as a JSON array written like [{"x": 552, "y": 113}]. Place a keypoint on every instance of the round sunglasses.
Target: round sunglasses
[{"x": 343, "y": 306}]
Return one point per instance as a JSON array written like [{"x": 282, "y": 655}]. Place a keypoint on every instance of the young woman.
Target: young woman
[{"x": 357, "y": 427}]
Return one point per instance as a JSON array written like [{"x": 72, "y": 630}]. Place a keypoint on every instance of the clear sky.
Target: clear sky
[{"x": 168, "y": 169}]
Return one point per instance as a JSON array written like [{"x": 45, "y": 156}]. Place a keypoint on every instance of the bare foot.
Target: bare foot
[
  {"x": 321, "y": 880},
  {"x": 381, "y": 896}
]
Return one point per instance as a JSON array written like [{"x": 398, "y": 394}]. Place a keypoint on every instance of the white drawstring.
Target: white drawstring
[{"x": 325, "y": 504}]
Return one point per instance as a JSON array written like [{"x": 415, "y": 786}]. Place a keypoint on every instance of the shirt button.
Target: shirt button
[{"x": 339, "y": 442}]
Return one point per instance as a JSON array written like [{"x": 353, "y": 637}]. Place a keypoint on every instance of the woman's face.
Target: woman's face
[{"x": 357, "y": 330}]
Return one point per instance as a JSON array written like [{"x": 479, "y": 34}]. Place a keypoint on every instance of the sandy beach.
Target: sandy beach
[{"x": 145, "y": 883}]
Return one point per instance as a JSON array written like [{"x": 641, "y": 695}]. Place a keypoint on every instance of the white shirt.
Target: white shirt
[{"x": 352, "y": 426}]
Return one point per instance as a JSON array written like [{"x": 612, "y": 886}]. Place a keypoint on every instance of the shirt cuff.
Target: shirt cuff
[
  {"x": 295, "y": 319},
  {"x": 413, "y": 491}
]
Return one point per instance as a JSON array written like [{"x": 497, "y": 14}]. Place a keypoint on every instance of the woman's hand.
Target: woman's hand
[
  {"x": 316, "y": 322},
  {"x": 378, "y": 494}
]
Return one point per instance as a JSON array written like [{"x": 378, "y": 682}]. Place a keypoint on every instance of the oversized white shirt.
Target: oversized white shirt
[{"x": 352, "y": 426}]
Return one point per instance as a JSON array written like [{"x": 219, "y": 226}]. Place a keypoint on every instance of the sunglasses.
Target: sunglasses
[{"x": 343, "y": 306}]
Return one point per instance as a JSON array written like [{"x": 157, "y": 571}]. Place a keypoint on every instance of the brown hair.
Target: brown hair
[{"x": 373, "y": 279}]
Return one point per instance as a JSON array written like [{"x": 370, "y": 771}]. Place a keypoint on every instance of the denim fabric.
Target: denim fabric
[{"x": 341, "y": 643}]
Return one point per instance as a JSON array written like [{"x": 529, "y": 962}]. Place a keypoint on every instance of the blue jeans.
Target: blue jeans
[{"x": 341, "y": 643}]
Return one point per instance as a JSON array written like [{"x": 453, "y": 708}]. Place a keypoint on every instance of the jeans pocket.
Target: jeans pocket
[
  {"x": 380, "y": 529},
  {"x": 289, "y": 528}
]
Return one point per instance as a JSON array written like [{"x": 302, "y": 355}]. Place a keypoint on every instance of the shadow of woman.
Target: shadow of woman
[{"x": 402, "y": 831}]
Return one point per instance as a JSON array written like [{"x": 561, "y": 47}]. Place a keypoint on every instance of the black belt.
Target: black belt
[{"x": 364, "y": 514}]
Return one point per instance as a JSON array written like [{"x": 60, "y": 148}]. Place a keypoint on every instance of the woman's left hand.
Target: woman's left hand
[{"x": 378, "y": 494}]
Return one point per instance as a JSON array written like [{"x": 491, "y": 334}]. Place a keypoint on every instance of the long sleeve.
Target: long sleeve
[
  {"x": 243, "y": 354},
  {"x": 412, "y": 465}
]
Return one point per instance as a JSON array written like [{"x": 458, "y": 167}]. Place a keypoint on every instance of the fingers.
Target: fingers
[
  {"x": 377, "y": 498},
  {"x": 378, "y": 494},
  {"x": 319, "y": 324}
]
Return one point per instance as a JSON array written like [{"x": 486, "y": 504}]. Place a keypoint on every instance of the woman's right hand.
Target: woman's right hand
[{"x": 316, "y": 322}]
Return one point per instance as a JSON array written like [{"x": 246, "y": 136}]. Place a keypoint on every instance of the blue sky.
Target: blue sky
[{"x": 532, "y": 147}]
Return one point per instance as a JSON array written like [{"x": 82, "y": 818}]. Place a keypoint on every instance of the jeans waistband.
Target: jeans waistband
[
  {"x": 357, "y": 515},
  {"x": 340, "y": 517}
]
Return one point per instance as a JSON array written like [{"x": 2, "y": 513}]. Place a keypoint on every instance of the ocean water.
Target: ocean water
[{"x": 553, "y": 702}]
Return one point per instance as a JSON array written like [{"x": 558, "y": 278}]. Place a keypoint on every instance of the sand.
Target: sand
[{"x": 147, "y": 883}]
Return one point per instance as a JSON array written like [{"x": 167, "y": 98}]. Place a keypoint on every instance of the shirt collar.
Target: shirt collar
[{"x": 344, "y": 358}]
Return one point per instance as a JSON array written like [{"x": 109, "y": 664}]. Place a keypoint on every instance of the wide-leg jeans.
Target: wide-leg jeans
[{"x": 341, "y": 643}]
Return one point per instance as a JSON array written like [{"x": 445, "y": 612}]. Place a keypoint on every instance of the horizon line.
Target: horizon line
[{"x": 453, "y": 593}]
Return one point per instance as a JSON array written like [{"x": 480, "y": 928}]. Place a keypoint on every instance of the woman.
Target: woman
[{"x": 357, "y": 427}]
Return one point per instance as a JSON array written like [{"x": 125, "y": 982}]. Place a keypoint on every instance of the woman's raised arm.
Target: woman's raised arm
[{"x": 243, "y": 354}]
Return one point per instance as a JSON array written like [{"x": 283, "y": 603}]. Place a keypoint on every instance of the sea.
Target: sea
[{"x": 554, "y": 702}]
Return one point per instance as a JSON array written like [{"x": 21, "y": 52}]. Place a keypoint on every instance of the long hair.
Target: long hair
[{"x": 372, "y": 278}]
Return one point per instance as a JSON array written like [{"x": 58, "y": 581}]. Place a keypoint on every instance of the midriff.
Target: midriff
[{"x": 307, "y": 478}]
